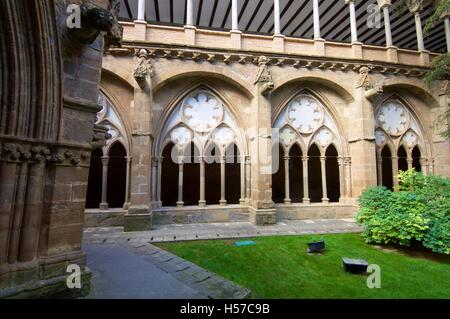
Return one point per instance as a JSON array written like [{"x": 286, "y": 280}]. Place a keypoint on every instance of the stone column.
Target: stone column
[
  {"x": 348, "y": 177},
  {"x": 242, "y": 199},
  {"x": 306, "y": 199},
  {"x": 415, "y": 7},
  {"x": 424, "y": 165},
  {"x": 343, "y": 194},
  {"x": 418, "y": 20},
  {"x": 180, "y": 202},
  {"x": 391, "y": 49},
  {"x": 379, "y": 168},
  {"x": 447, "y": 29},
  {"x": 409, "y": 160},
  {"x": 356, "y": 46},
  {"x": 248, "y": 178},
  {"x": 139, "y": 216},
  {"x": 287, "y": 199},
  {"x": 323, "y": 170},
  {"x": 223, "y": 161},
  {"x": 319, "y": 43},
  {"x": 159, "y": 180},
  {"x": 278, "y": 38},
  {"x": 262, "y": 211},
  {"x": 104, "y": 203},
  {"x": 234, "y": 16},
  {"x": 394, "y": 171},
  {"x": 126, "y": 205},
  {"x": 189, "y": 28},
  {"x": 202, "y": 201},
  {"x": 154, "y": 182},
  {"x": 141, "y": 10}
]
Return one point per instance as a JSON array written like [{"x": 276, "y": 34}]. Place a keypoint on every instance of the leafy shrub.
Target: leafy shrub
[{"x": 419, "y": 211}]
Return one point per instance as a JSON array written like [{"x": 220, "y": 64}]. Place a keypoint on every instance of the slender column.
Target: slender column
[
  {"x": 105, "y": 163},
  {"x": 126, "y": 205},
  {"x": 348, "y": 176},
  {"x": 316, "y": 14},
  {"x": 380, "y": 169},
  {"x": 424, "y": 165},
  {"x": 343, "y": 194},
  {"x": 180, "y": 202},
  {"x": 158, "y": 193},
  {"x": 154, "y": 182},
  {"x": 395, "y": 171},
  {"x": 190, "y": 13},
  {"x": 287, "y": 196},
  {"x": 409, "y": 160},
  {"x": 387, "y": 26},
  {"x": 234, "y": 15},
  {"x": 420, "y": 45},
  {"x": 248, "y": 177},
  {"x": 242, "y": 199},
  {"x": 276, "y": 15},
  {"x": 447, "y": 31},
  {"x": 141, "y": 10},
  {"x": 223, "y": 161},
  {"x": 306, "y": 199},
  {"x": 323, "y": 166},
  {"x": 202, "y": 201},
  {"x": 353, "y": 26}
]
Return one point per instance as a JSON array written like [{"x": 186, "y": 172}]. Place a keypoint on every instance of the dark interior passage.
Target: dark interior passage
[
  {"x": 402, "y": 159},
  {"x": 278, "y": 188},
  {"x": 416, "y": 159},
  {"x": 314, "y": 175},
  {"x": 232, "y": 175},
  {"x": 212, "y": 175},
  {"x": 332, "y": 169},
  {"x": 386, "y": 160},
  {"x": 117, "y": 175},
  {"x": 296, "y": 174},
  {"x": 94, "y": 189},
  {"x": 191, "y": 176},
  {"x": 169, "y": 178}
]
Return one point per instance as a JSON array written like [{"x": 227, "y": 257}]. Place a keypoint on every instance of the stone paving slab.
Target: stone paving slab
[{"x": 188, "y": 232}]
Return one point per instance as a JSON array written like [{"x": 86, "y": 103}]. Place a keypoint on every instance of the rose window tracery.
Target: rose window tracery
[
  {"x": 202, "y": 112},
  {"x": 305, "y": 114}
]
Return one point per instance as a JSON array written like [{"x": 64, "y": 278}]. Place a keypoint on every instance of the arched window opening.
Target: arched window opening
[
  {"x": 416, "y": 156},
  {"x": 191, "y": 175},
  {"x": 386, "y": 164},
  {"x": 169, "y": 177},
  {"x": 315, "y": 174},
  {"x": 296, "y": 174},
  {"x": 332, "y": 170},
  {"x": 402, "y": 159},
  {"x": 117, "y": 172},
  {"x": 94, "y": 189},
  {"x": 212, "y": 174},
  {"x": 278, "y": 179},
  {"x": 232, "y": 174}
]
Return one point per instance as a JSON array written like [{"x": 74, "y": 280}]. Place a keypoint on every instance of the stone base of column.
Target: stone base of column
[
  {"x": 235, "y": 36},
  {"x": 104, "y": 206},
  {"x": 140, "y": 30},
  {"x": 263, "y": 217},
  {"x": 223, "y": 203},
  {"x": 357, "y": 52},
  {"x": 424, "y": 58},
  {"x": 126, "y": 206},
  {"x": 202, "y": 203},
  {"x": 189, "y": 34},
  {"x": 278, "y": 42},
  {"x": 306, "y": 201},
  {"x": 138, "y": 219},
  {"x": 391, "y": 54},
  {"x": 180, "y": 204},
  {"x": 319, "y": 46},
  {"x": 287, "y": 201},
  {"x": 325, "y": 200},
  {"x": 242, "y": 201}
]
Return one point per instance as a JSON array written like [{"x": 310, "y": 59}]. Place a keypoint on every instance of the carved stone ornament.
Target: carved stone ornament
[
  {"x": 414, "y": 5},
  {"x": 364, "y": 81},
  {"x": 142, "y": 68},
  {"x": 263, "y": 76}
]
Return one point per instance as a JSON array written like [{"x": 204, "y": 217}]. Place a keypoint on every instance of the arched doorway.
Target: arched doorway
[{"x": 296, "y": 174}]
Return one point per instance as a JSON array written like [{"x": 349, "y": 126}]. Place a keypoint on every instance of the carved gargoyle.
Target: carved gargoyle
[
  {"x": 263, "y": 76},
  {"x": 115, "y": 34},
  {"x": 93, "y": 21}
]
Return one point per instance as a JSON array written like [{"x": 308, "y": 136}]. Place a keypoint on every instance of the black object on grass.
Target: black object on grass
[
  {"x": 316, "y": 246},
  {"x": 355, "y": 266}
]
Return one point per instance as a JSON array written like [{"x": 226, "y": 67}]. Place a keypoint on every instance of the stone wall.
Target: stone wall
[{"x": 49, "y": 101}]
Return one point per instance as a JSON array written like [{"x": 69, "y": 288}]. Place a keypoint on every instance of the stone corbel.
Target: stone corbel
[
  {"x": 143, "y": 67},
  {"x": 263, "y": 76}
]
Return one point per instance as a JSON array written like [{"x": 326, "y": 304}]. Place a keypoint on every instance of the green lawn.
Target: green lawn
[{"x": 278, "y": 267}]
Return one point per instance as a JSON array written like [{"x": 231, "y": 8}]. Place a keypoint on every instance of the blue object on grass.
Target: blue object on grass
[{"x": 244, "y": 243}]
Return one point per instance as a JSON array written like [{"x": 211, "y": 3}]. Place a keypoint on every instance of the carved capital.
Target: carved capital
[{"x": 414, "y": 6}]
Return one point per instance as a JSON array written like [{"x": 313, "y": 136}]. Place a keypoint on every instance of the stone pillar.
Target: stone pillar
[
  {"x": 379, "y": 168},
  {"x": 141, "y": 10},
  {"x": 343, "y": 194},
  {"x": 447, "y": 29},
  {"x": 154, "y": 182},
  {"x": 126, "y": 205},
  {"x": 234, "y": 16},
  {"x": 356, "y": 46},
  {"x": 394, "y": 160},
  {"x": 278, "y": 38},
  {"x": 262, "y": 211},
  {"x": 248, "y": 178},
  {"x": 242, "y": 199},
  {"x": 306, "y": 199},
  {"x": 409, "y": 160},
  {"x": 202, "y": 201},
  {"x": 319, "y": 43},
  {"x": 348, "y": 176},
  {"x": 287, "y": 197},
  {"x": 418, "y": 20},
  {"x": 139, "y": 216},
  {"x": 415, "y": 7},
  {"x": 180, "y": 202},
  {"x": 104, "y": 203},
  {"x": 189, "y": 28},
  {"x": 223, "y": 161},
  {"x": 323, "y": 170}
]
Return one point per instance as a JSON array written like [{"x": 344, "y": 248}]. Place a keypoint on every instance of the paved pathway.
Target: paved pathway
[
  {"x": 170, "y": 233},
  {"x": 127, "y": 265}
]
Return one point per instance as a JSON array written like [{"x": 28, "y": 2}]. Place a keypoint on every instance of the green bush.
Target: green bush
[{"x": 418, "y": 212}]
